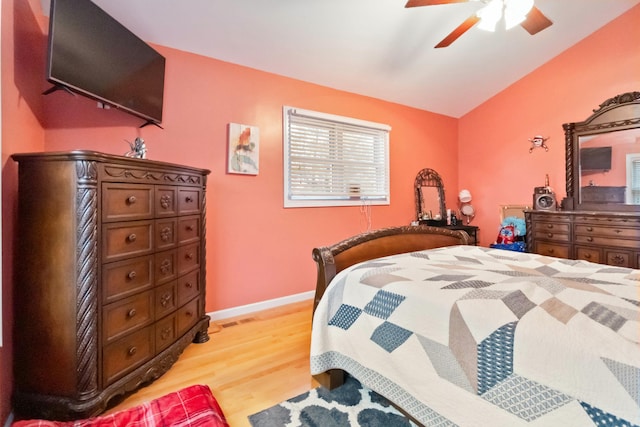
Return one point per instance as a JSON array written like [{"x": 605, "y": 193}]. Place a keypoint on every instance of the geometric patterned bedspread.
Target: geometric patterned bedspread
[{"x": 473, "y": 336}]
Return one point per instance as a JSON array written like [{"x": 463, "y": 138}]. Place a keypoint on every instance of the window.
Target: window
[
  {"x": 334, "y": 161},
  {"x": 633, "y": 179}
]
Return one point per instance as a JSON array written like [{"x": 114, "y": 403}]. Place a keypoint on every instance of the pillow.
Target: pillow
[{"x": 193, "y": 406}]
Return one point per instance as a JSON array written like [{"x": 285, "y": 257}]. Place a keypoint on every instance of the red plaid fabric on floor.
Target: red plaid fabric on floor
[{"x": 193, "y": 406}]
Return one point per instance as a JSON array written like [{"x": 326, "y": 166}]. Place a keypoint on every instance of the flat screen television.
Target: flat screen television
[
  {"x": 595, "y": 159},
  {"x": 92, "y": 54}
]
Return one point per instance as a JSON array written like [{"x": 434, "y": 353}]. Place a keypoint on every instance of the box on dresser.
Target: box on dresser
[{"x": 110, "y": 271}]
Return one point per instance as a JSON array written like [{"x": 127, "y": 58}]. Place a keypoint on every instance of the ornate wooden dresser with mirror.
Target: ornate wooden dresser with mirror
[
  {"x": 110, "y": 271},
  {"x": 600, "y": 217}
]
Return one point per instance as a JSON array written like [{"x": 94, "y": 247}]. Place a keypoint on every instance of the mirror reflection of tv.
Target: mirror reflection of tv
[
  {"x": 92, "y": 54},
  {"x": 595, "y": 159}
]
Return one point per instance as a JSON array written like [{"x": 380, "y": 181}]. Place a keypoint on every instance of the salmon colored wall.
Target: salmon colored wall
[
  {"x": 495, "y": 163},
  {"x": 21, "y": 131},
  {"x": 256, "y": 249}
]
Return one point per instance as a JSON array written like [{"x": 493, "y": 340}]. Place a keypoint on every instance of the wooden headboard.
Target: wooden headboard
[{"x": 332, "y": 259}]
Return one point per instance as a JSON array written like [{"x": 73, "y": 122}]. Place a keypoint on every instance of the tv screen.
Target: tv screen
[
  {"x": 94, "y": 55},
  {"x": 595, "y": 158}
]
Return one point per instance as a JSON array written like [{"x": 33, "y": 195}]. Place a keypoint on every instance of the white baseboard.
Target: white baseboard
[{"x": 259, "y": 306}]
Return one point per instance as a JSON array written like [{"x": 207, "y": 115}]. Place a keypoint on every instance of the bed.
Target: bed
[{"x": 455, "y": 334}]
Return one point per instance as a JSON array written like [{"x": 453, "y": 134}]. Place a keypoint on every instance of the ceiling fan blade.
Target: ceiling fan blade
[
  {"x": 460, "y": 30},
  {"x": 416, "y": 3},
  {"x": 536, "y": 21}
]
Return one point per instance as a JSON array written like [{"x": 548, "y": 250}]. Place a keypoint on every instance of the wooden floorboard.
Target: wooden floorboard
[{"x": 250, "y": 363}]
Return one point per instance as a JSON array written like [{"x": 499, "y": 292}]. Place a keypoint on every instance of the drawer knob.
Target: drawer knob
[
  {"x": 132, "y": 350},
  {"x": 549, "y": 235},
  {"x": 132, "y": 275},
  {"x": 189, "y": 227},
  {"x": 587, "y": 256},
  {"x": 132, "y": 237},
  {"x": 131, "y": 313},
  {"x": 589, "y": 228},
  {"x": 550, "y": 250},
  {"x": 589, "y": 239},
  {"x": 549, "y": 225},
  {"x": 188, "y": 285},
  {"x": 188, "y": 313},
  {"x": 189, "y": 256},
  {"x": 188, "y": 199},
  {"x": 131, "y": 200}
]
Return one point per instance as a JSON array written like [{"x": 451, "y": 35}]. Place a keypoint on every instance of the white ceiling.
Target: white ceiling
[{"x": 376, "y": 48}]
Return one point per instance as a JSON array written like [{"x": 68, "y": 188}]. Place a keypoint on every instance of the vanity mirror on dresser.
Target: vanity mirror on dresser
[
  {"x": 600, "y": 217},
  {"x": 110, "y": 277}
]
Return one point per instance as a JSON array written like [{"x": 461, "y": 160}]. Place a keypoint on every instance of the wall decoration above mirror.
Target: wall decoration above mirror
[
  {"x": 603, "y": 157},
  {"x": 429, "y": 193}
]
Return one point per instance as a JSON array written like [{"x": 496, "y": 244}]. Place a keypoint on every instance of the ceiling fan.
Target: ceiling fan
[{"x": 513, "y": 12}]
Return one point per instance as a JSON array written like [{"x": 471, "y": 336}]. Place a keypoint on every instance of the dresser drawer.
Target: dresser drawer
[
  {"x": 126, "y": 202},
  {"x": 615, "y": 232},
  {"x": 189, "y": 201},
  {"x": 124, "y": 316},
  {"x": 127, "y": 353},
  {"x": 127, "y": 239},
  {"x": 553, "y": 227},
  {"x": 551, "y": 235},
  {"x": 188, "y": 258},
  {"x": 166, "y": 201},
  {"x": 165, "y": 299},
  {"x": 560, "y": 251},
  {"x": 166, "y": 330},
  {"x": 189, "y": 229},
  {"x": 166, "y": 233},
  {"x": 589, "y": 254},
  {"x": 123, "y": 278},
  {"x": 188, "y": 286},
  {"x": 605, "y": 241},
  {"x": 187, "y": 316},
  {"x": 166, "y": 266}
]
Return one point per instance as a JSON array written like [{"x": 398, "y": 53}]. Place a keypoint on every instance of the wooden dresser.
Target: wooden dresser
[
  {"x": 110, "y": 270},
  {"x": 606, "y": 238}
]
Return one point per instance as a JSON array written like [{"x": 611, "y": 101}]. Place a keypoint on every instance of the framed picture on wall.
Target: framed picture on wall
[{"x": 243, "y": 147}]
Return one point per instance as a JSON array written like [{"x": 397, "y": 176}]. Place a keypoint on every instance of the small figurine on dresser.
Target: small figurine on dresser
[{"x": 138, "y": 149}]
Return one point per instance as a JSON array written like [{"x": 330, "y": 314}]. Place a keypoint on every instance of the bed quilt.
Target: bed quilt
[{"x": 474, "y": 336}]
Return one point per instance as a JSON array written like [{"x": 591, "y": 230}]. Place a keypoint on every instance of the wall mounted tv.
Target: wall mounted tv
[
  {"x": 595, "y": 159},
  {"x": 92, "y": 54}
]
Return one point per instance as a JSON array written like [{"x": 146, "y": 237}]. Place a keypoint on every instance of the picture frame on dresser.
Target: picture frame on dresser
[
  {"x": 110, "y": 277},
  {"x": 596, "y": 223}
]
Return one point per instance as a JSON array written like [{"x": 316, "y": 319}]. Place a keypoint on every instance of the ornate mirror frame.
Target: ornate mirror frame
[
  {"x": 619, "y": 113},
  {"x": 429, "y": 178}
]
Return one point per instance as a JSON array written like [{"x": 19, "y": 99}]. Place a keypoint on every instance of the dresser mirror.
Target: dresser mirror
[
  {"x": 429, "y": 194},
  {"x": 603, "y": 157}
]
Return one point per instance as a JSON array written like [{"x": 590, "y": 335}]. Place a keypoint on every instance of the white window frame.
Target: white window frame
[
  {"x": 631, "y": 159},
  {"x": 341, "y": 182}
]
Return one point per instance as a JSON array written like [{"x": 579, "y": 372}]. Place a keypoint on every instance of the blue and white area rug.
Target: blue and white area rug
[{"x": 348, "y": 405}]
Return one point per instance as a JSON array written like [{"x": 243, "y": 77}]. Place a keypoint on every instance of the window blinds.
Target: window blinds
[
  {"x": 635, "y": 181},
  {"x": 333, "y": 160}
]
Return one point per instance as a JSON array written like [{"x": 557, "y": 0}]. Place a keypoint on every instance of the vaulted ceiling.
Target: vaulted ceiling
[{"x": 376, "y": 48}]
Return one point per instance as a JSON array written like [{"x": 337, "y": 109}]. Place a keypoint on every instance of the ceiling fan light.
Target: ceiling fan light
[
  {"x": 490, "y": 15},
  {"x": 515, "y": 12}
]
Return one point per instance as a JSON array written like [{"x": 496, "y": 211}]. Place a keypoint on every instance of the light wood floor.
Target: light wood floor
[{"x": 250, "y": 363}]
